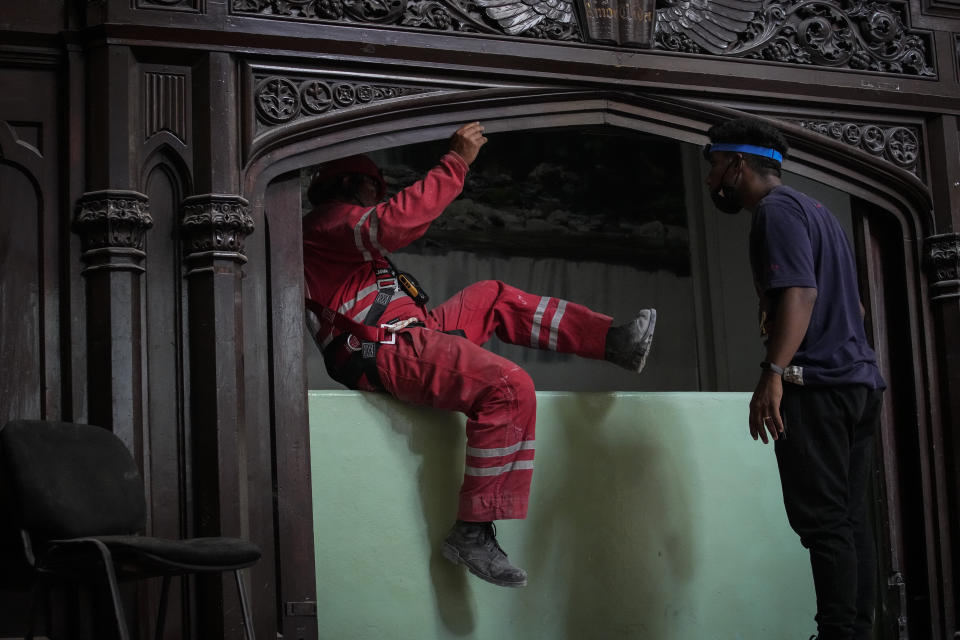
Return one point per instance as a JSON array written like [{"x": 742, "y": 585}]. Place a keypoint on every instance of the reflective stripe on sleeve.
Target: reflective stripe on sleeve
[
  {"x": 374, "y": 232},
  {"x": 555, "y": 324},
  {"x": 537, "y": 319},
  {"x": 358, "y": 237}
]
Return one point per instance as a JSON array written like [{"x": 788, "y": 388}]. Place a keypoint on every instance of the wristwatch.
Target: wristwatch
[{"x": 769, "y": 366}]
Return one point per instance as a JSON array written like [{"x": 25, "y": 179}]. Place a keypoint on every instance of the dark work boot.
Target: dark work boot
[
  {"x": 628, "y": 345},
  {"x": 474, "y": 545}
]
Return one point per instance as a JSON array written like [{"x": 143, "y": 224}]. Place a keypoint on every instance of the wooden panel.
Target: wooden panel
[
  {"x": 903, "y": 502},
  {"x": 260, "y": 436},
  {"x": 21, "y": 383},
  {"x": 166, "y": 456},
  {"x": 278, "y": 432},
  {"x": 29, "y": 282},
  {"x": 290, "y": 419},
  {"x": 30, "y": 378}
]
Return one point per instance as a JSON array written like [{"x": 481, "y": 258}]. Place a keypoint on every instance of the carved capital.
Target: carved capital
[
  {"x": 214, "y": 226},
  {"x": 112, "y": 225},
  {"x": 943, "y": 265}
]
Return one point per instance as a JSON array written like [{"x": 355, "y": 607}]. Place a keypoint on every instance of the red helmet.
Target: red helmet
[{"x": 358, "y": 164}]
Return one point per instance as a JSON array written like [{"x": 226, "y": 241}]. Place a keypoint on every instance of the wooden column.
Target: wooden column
[
  {"x": 943, "y": 269},
  {"x": 214, "y": 227},
  {"x": 111, "y": 225}
]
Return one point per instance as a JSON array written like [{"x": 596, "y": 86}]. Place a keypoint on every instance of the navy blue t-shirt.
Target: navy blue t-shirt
[{"x": 796, "y": 242}]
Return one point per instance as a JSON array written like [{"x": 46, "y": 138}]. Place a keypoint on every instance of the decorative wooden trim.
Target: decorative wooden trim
[
  {"x": 861, "y": 35},
  {"x": 183, "y": 6},
  {"x": 112, "y": 225},
  {"x": 165, "y": 104},
  {"x": 865, "y": 35},
  {"x": 30, "y": 57},
  {"x": 214, "y": 226},
  {"x": 898, "y": 144},
  {"x": 553, "y": 19},
  {"x": 943, "y": 265},
  {"x": 281, "y": 99}
]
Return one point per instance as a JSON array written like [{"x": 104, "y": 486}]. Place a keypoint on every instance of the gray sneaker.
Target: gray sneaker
[
  {"x": 628, "y": 345},
  {"x": 474, "y": 545}
]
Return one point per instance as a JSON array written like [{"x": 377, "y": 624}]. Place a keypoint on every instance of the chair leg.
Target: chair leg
[
  {"x": 35, "y": 597},
  {"x": 114, "y": 589},
  {"x": 162, "y": 613},
  {"x": 247, "y": 620}
]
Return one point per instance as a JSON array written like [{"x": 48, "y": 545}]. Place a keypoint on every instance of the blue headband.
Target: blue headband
[{"x": 764, "y": 152}]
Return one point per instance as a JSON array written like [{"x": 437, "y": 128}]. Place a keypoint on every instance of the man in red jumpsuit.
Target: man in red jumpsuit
[{"x": 377, "y": 336}]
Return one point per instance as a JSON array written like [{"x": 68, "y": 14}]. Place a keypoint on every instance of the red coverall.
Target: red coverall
[{"x": 431, "y": 368}]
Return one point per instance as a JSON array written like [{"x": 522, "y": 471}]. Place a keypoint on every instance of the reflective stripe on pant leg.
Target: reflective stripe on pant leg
[
  {"x": 518, "y": 317},
  {"x": 447, "y": 372}
]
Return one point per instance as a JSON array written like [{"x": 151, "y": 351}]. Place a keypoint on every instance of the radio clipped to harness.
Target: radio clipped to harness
[{"x": 412, "y": 288}]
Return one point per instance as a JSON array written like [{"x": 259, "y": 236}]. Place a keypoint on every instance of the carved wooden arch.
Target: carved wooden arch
[
  {"x": 433, "y": 116},
  {"x": 890, "y": 190},
  {"x": 21, "y": 155},
  {"x": 166, "y": 157},
  {"x": 898, "y": 200}
]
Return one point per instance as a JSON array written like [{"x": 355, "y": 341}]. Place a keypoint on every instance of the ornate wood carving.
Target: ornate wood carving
[
  {"x": 282, "y": 99},
  {"x": 899, "y": 145},
  {"x": 111, "y": 225},
  {"x": 551, "y": 19},
  {"x": 214, "y": 226},
  {"x": 164, "y": 104},
  {"x": 868, "y": 35},
  {"x": 192, "y": 6},
  {"x": 943, "y": 265},
  {"x": 851, "y": 34}
]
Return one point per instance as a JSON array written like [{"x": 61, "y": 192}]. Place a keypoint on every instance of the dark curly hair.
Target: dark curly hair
[{"x": 754, "y": 132}]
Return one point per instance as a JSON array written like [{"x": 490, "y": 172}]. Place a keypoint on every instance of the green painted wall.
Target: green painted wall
[{"x": 652, "y": 516}]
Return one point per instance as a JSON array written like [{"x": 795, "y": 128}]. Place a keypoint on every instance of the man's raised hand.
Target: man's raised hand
[{"x": 467, "y": 140}]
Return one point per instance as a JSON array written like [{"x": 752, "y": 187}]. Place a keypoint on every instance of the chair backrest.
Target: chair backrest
[{"x": 71, "y": 480}]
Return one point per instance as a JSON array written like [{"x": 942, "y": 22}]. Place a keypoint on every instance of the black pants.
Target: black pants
[{"x": 825, "y": 463}]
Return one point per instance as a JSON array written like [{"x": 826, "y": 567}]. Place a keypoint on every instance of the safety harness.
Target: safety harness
[{"x": 351, "y": 357}]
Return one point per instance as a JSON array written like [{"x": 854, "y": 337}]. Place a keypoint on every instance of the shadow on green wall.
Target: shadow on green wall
[
  {"x": 439, "y": 444},
  {"x": 613, "y": 510},
  {"x": 610, "y": 506}
]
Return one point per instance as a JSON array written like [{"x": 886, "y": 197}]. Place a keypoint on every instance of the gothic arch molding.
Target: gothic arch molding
[
  {"x": 685, "y": 120},
  {"x": 166, "y": 158},
  {"x": 894, "y": 204}
]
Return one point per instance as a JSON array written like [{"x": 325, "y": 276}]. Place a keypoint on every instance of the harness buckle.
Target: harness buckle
[{"x": 393, "y": 336}]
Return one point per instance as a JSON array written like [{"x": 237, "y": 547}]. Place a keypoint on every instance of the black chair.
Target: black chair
[{"x": 80, "y": 507}]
